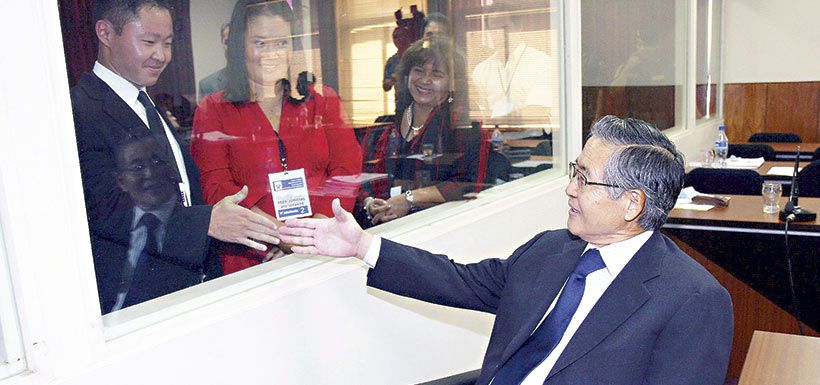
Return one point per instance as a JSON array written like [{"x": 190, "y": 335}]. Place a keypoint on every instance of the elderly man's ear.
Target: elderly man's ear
[{"x": 635, "y": 201}]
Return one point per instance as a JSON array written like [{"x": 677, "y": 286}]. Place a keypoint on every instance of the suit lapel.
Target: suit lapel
[
  {"x": 549, "y": 282},
  {"x": 113, "y": 105},
  {"x": 624, "y": 296}
]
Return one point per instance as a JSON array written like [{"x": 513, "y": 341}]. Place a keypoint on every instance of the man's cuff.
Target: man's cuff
[{"x": 372, "y": 255}]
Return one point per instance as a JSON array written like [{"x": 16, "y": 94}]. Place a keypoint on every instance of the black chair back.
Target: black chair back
[
  {"x": 816, "y": 154},
  {"x": 775, "y": 137},
  {"x": 725, "y": 181},
  {"x": 752, "y": 151},
  {"x": 808, "y": 180}
]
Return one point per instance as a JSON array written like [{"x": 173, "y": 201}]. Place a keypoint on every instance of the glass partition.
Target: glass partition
[
  {"x": 392, "y": 106},
  {"x": 633, "y": 62}
]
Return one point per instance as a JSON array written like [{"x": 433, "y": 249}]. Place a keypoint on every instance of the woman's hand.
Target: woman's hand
[
  {"x": 273, "y": 253},
  {"x": 387, "y": 210}
]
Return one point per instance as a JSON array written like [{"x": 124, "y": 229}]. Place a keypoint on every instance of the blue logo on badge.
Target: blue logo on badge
[{"x": 294, "y": 211}]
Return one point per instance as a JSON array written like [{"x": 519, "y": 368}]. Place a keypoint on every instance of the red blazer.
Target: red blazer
[{"x": 235, "y": 145}]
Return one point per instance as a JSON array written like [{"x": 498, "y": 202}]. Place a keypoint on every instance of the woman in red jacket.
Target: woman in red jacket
[{"x": 255, "y": 127}]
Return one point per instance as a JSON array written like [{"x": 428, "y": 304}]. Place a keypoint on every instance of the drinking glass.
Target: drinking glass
[
  {"x": 708, "y": 158},
  {"x": 771, "y": 195}
]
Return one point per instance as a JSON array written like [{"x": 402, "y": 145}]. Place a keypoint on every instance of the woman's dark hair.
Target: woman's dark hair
[
  {"x": 436, "y": 50},
  {"x": 237, "y": 90}
]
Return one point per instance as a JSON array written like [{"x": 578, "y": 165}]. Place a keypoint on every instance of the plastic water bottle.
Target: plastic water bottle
[
  {"x": 497, "y": 141},
  {"x": 721, "y": 146}
]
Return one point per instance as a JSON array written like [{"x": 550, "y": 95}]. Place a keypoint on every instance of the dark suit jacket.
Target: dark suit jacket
[
  {"x": 663, "y": 320},
  {"x": 102, "y": 122},
  {"x": 212, "y": 83}
]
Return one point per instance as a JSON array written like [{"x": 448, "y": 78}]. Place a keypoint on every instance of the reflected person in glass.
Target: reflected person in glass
[{"x": 257, "y": 125}]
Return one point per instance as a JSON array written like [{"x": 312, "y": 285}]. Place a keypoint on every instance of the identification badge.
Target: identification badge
[
  {"x": 185, "y": 194},
  {"x": 290, "y": 194}
]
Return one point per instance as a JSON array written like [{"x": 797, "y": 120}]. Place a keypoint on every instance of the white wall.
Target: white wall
[
  {"x": 321, "y": 326},
  {"x": 771, "y": 41}
]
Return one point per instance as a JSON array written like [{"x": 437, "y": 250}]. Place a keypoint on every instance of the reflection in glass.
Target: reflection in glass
[
  {"x": 485, "y": 112},
  {"x": 630, "y": 66}
]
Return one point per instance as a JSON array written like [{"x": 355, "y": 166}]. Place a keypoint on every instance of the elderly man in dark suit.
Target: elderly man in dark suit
[
  {"x": 110, "y": 105},
  {"x": 609, "y": 300}
]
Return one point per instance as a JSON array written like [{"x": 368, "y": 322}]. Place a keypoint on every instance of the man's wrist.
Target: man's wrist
[
  {"x": 372, "y": 254},
  {"x": 363, "y": 245}
]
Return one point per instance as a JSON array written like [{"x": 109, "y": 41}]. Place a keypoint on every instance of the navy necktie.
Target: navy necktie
[
  {"x": 539, "y": 345},
  {"x": 151, "y": 248},
  {"x": 158, "y": 131}
]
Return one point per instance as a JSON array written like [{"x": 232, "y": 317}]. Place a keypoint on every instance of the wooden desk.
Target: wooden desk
[
  {"x": 744, "y": 213},
  {"x": 526, "y": 143},
  {"x": 764, "y": 169},
  {"x": 787, "y": 151},
  {"x": 743, "y": 248}
]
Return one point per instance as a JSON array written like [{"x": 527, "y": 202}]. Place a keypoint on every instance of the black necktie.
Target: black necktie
[
  {"x": 539, "y": 345},
  {"x": 158, "y": 131},
  {"x": 151, "y": 248}
]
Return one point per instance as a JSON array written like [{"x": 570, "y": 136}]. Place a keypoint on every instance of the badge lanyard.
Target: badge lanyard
[{"x": 283, "y": 154}]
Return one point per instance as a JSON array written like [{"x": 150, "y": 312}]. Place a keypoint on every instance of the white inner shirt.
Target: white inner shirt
[
  {"x": 615, "y": 256},
  {"x": 128, "y": 93}
]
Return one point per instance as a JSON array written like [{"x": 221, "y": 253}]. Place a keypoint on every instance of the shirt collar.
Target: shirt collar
[
  {"x": 617, "y": 255},
  {"x": 163, "y": 212},
  {"x": 123, "y": 88}
]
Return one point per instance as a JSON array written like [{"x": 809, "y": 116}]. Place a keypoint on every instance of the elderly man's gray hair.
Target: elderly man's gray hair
[{"x": 646, "y": 160}]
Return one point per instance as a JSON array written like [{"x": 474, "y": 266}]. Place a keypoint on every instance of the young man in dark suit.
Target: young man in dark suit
[
  {"x": 609, "y": 300},
  {"x": 110, "y": 105}
]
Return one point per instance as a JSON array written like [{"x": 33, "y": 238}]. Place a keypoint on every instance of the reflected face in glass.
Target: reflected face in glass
[
  {"x": 428, "y": 84},
  {"x": 145, "y": 175},
  {"x": 593, "y": 215},
  {"x": 434, "y": 29},
  {"x": 143, "y": 49},
  {"x": 268, "y": 49}
]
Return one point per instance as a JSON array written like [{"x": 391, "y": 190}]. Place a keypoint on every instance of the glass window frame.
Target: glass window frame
[{"x": 144, "y": 315}]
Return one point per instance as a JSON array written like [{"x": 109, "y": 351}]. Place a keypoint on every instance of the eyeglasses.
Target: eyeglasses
[
  {"x": 141, "y": 166},
  {"x": 582, "y": 179}
]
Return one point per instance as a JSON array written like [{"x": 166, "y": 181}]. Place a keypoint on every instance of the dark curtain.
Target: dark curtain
[
  {"x": 79, "y": 39},
  {"x": 176, "y": 82},
  {"x": 178, "y": 78}
]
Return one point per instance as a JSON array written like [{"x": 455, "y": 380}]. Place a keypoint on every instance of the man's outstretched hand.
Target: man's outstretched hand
[
  {"x": 233, "y": 223},
  {"x": 339, "y": 236}
]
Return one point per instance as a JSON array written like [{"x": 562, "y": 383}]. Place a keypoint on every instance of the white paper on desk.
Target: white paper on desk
[
  {"x": 782, "y": 171},
  {"x": 359, "y": 178},
  {"x": 686, "y": 195},
  {"x": 530, "y": 163},
  {"x": 422, "y": 157},
  {"x": 750, "y": 163},
  {"x": 693, "y": 206}
]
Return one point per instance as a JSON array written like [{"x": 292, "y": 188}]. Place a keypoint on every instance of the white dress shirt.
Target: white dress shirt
[
  {"x": 615, "y": 256},
  {"x": 128, "y": 93}
]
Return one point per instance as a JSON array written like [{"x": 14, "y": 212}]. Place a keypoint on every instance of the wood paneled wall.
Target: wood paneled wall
[
  {"x": 752, "y": 311},
  {"x": 772, "y": 107}
]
